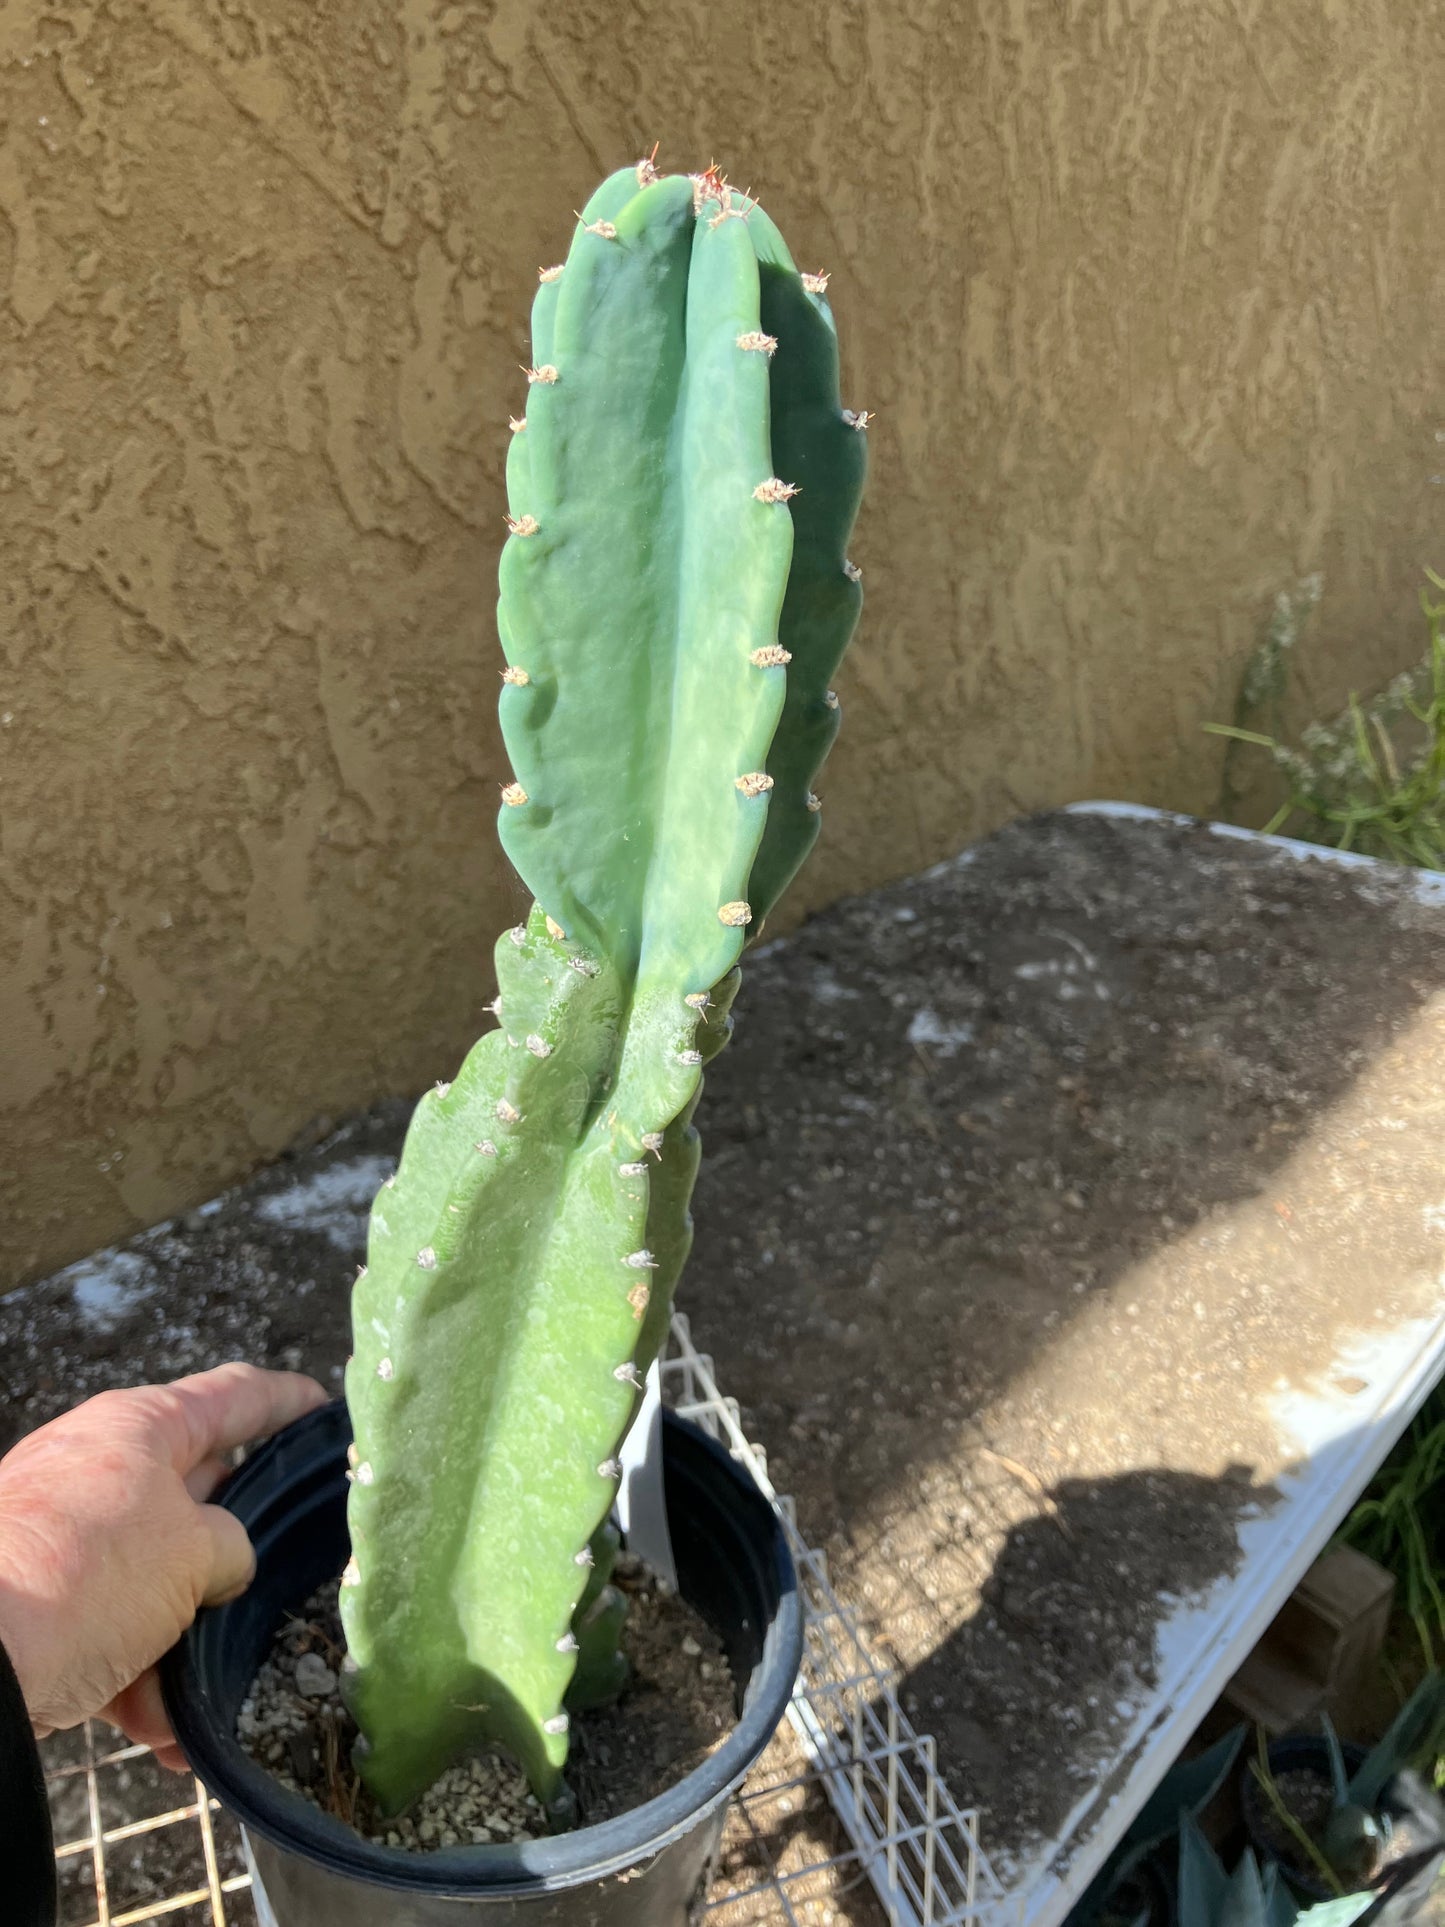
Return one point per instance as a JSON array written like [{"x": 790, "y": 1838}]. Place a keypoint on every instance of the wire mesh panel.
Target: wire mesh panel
[
  {"x": 844, "y": 1823},
  {"x": 135, "y": 1843},
  {"x": 919, "y": 1849}
]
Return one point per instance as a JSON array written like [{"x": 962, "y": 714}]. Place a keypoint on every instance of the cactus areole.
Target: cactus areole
[{"x": 675, "y": 597}]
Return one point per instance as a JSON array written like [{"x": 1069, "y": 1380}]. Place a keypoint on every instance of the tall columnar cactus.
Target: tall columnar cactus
[{"x": 675, "y": 596}]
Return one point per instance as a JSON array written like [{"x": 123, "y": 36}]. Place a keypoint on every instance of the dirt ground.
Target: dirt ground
[{"x": 1033, "y": 1189}]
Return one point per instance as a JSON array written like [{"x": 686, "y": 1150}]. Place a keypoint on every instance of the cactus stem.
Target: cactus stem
[
  {"x": 831, "y": 698},
  {"x": 351, "y": 1573},
  {"x": 815, "y": 803},
  {"x": 614, "y": 811},
  {"x": 816, "y": 283},
  {"x": 852, "y": 571},
  {"x": 858, "y": 417}
]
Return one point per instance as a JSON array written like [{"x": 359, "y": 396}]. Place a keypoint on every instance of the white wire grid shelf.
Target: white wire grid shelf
[{"x": 845, "y": 1820}]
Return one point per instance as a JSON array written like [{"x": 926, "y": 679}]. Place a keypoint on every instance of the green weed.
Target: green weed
[
  {"x": 1373, "y": 780},
  {"x": 1397, "y": 1523}
]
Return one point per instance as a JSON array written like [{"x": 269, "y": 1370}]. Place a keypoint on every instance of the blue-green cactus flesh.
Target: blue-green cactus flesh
[{"x": 675, "y": 595}]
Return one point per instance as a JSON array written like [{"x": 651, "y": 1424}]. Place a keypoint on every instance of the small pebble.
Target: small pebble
[{"x": 314, "y": 1678}]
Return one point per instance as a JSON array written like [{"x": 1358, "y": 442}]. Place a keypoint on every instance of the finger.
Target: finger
[
  {"x": 213, "y": 1412},
  {"x": 172, "y": 1758},
  {"x": 203, "y": 1479},
  {"x": 232, "y": 1559},
  {"x": 140, "y": 1713}
]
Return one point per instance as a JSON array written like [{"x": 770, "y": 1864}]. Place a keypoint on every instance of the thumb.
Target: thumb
[{"x": 233, "y": 1561}]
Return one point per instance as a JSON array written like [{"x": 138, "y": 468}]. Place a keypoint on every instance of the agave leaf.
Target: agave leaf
[
  {"x": 1339, "y": 1774},
  {"x": 1203, "y": 1883},
  {"x": 1337, "y": 1913},
  {"x": 1188, "y": 1787},
  {"x": 1279, "y": 1907},
  {"x": 1416, "y": 1735},
  {"x": 1244, "y": 1900}
]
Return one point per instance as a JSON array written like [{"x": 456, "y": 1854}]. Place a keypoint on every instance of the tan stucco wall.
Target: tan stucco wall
[{"x": 1148, "y": 297}]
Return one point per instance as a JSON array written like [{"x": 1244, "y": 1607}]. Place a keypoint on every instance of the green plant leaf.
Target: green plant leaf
[
  {"x": 1339, "y": 1774},
  {"x": 1336, "y": 1913},
  {"x": 1416, "y": 1735},
  {"x": 1203, "y": 1883},
  {"x": 1187, "y": 1788}
]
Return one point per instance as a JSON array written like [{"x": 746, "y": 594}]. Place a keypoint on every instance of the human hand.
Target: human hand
[{"x": 107, "y": 1547}]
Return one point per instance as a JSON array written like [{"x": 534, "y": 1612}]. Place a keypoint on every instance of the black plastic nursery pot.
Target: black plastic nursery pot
[
  {"x": 1147, "y": 1894},
  {"x": 645, "y": 1868},
  {"x": 1305, "y": 1752},
  {"x": 1297, "y": 1752}
]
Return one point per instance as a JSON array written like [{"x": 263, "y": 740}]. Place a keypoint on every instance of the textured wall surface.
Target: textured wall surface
[{"x": 1146, "y": 296}]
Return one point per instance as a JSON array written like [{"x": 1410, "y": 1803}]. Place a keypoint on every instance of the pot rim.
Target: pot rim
[{"x": 582, "y": 1856}]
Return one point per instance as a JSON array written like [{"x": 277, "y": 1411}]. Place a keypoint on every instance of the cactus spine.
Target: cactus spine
[{"x": 674, "y": 599}]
